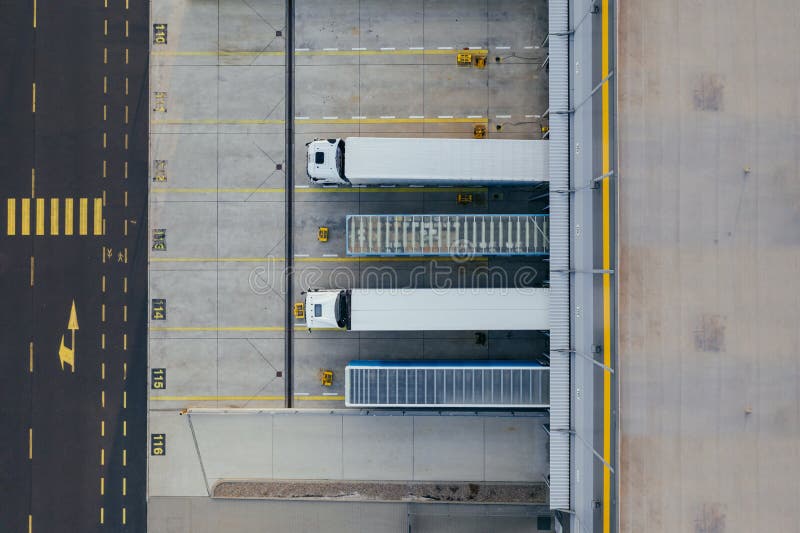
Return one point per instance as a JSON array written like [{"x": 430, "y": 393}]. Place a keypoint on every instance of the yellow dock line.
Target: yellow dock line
[
  {"x": 234, "y": 328},
  {"x": 220, "y": 328},
  {"x": 344, "y": 259},
  {"x": 297, "y": 397},
  {"x": 299, "y": 121},
  {"x": 354, "y": 53},
  {"x": 319, "y": 190},
  {"x": 606, "y": 245}
]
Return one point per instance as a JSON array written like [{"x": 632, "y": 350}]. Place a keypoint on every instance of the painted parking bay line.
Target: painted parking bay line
[
  {"x": 323, "y": 259},
  {"x": 318, "y": 121},
  {"x": 385, "y": 51},
  {"x": 317, "y": 190},
  {"x": 302, "y": 397}
]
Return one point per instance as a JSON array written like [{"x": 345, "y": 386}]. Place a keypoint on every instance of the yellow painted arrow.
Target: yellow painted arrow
[{"x": 67, "y": 355}]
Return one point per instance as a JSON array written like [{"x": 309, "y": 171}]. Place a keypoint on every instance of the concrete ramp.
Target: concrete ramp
[{"x": 204, "y": 448}]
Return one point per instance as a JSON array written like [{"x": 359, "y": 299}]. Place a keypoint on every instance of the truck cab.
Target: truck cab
[
  {"x": 325, "y": 162},
  {"x": 327, "y": 309}
]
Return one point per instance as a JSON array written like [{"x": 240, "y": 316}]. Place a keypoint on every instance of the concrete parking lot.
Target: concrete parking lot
[{"x": 219, "y": 183}]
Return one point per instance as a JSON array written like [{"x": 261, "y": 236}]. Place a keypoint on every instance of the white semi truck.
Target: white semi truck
[
  {"x": 427, "y": 309},
  {"x": 426, "y": 161}
]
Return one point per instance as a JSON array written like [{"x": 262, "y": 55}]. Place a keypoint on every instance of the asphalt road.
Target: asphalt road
[{"x": 73, "y": 443}]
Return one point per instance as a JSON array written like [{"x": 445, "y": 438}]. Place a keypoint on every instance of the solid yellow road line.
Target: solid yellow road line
[
  {"x": 53, "y": 216},
  {"x": 98, "y": 216},
  {"x": 34, "y": 13},
  {"x": 83, "y": 214},
  {"x": 40, "y": 216},
  {"x": 68, "y": 216},
  {"x": 299, "y": 397},
  {"x": 606, "y": 245},
  {"x": 26, "y": 216},
  {"x": 11, "y": 213}
]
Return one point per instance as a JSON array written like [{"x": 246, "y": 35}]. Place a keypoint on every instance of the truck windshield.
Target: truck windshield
[
  {"x": 340, "y": 159},
  {"x": 340, "y": 310}
]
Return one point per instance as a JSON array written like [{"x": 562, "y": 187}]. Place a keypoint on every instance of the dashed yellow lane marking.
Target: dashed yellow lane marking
[
  {"x": 69, "y": 223},
  {"x": 26, "y": 216},
  {"x": 98, "y": 216},
  {"x": 40, "y": 216},
  {"x": 30, "y": 357},
  {"x": 33, "y": 99},
  {"x": 30, "y": 443},
  {"x": 54, "y": 216},
  {"x": 300, "y": 397},
  {"x": 83, "y": 216},
  {"x": 11, "y": 214}
]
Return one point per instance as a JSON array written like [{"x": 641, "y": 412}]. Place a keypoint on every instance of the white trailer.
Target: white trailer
[
  {"x": 428, "y": 309},
  {"x": 427, "y": 161}
]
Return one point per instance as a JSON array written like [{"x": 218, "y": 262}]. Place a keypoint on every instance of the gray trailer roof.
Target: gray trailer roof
[{"x": 432, "y": 160}]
